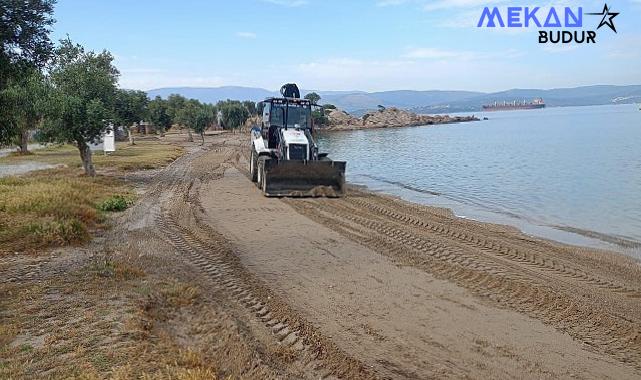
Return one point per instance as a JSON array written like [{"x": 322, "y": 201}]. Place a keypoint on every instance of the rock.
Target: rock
[
  {"x": 339, "y": 118},
  {"x": 388, "y": 118}
]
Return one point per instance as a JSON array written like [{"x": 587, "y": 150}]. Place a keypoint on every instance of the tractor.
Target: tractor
[{"x": 284, "y": 158}]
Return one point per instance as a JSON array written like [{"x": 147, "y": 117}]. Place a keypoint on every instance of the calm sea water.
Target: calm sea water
[{"x": 571, "y": 174}]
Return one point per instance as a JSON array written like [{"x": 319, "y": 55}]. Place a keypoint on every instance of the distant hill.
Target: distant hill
[
  {"x": 431, "y": 101},
  {"x": 559, "y": 97},
  {"x": 399, "y": 98},
  {"x": 214, "y": 94}
]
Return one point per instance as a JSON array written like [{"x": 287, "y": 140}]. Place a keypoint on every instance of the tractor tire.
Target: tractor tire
[
  {"x": 253, "y": 166},
  {"x": 260, "y": 180}
]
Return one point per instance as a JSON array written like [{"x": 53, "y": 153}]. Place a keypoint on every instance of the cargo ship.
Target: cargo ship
[{"x": 515, "y": 105}]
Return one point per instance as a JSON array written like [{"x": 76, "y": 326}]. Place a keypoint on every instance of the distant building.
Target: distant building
[{"x": 145, "y": 128}]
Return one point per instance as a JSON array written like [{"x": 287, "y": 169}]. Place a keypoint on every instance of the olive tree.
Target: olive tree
[
  {"x": 24, "y": 35},
  {"x": 186, "y": 116},
  {"x": 205, "y": 117},
  {"x": 251, "y": 107},
  {"x": 175, "y": 103},
  {"x": 234, "y": 113},
  {"x": 24, "y": 47},
  {"x": 159, "y": 115},
  {"x": 24, "y": 103},
  {"x": 130, "y": 108},
  {"x": 313, "y": 97},
  {"x": 82, "y": 100}
]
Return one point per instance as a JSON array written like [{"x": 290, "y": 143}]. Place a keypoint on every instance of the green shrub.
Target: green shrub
[{"x": 114, "y": 204}]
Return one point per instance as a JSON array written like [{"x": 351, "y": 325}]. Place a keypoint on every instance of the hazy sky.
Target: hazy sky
[{"x": 346, "y": 45}]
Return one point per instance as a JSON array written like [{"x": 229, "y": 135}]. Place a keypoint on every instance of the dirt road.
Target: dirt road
[{"x": 371, "y": 287}]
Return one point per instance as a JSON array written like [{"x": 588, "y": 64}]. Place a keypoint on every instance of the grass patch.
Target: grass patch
[
  {"x": 146, "y": 154},
  {"x": 52, "y": 208},
  {"x": 107, "y": 267},
  {"x": 26, "y": 348},
  {"x": 59, "y": 207},
  {"x": 180, "y": 294},
  {"x": 7, "y": 334},
  {"x": 115, "y": 203}
]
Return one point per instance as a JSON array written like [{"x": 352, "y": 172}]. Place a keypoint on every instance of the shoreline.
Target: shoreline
[
  {"x": 618, "y": 241},
  {"x": 487, "y": 169},
  {"x": 569, "y": 236},
  {"x": 560, "y": 234}
]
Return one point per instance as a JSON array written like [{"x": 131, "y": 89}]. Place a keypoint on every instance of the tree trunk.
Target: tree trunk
[
  {"x": 190, "y": 138},
  {"x": 85, "y": 156},
  {"x": 24, "y": 141},
  {"x": 131, "y": 136},
  {"x": 202, "y": 136}
]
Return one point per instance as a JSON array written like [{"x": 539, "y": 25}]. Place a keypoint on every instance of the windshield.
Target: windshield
[{"x": 297, "y": 116}]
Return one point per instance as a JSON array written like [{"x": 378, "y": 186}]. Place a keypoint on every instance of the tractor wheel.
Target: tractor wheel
[
  {"x": 253, "y": 169},
  {"x": 260, "y": 168}
]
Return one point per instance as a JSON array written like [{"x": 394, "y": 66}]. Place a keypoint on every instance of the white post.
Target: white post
[{"x": 109, "y": 142}]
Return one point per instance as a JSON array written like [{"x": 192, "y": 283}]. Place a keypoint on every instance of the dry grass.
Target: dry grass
[
  {"x": 61, "y": 207},
  {"x": 7, "y": 334},
  {"x": 92, "y": 328},
  {"x": 105, "y": 266},
  {"x": 98, "y": 316},
  {"x": 51, "y": 208},
  {"x": 179, "y": 294},
  {"x": 146, "y": 154}
]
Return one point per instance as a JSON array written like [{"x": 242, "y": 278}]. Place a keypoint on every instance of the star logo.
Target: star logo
[{"x": 607, "y": 18}]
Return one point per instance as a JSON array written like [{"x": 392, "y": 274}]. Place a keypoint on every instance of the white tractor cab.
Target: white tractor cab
[{"x": 284, "y": 159}]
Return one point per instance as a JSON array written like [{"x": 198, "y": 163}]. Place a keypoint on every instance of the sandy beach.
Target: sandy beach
[
  {"x": 319, "y": 190},
  {"x": 365, "y": 286}
]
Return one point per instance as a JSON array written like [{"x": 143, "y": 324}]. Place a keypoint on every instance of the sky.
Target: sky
[{"x": 326, "y": 45}]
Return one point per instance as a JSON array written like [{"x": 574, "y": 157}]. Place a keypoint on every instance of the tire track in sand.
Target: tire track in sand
[
  {"x": 213, "y": 255},
  {"x": 512, "y": 278},
  {"x": 506, "y": 250}
]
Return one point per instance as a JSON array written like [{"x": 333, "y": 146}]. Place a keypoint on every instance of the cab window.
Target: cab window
[{"x": 277, "y": 115}]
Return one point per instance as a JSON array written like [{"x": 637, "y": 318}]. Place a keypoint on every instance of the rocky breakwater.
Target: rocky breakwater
[{"x": 388, "y": 118}]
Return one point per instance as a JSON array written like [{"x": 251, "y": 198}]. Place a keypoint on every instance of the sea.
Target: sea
[{"x": 569, "y": 174}]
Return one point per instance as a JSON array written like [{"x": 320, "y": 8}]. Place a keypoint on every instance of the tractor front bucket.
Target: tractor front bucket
[{"x": 297, "y": 178}]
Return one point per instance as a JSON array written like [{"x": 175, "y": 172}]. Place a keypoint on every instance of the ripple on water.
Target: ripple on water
[{"x": 541, "y": 170}]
